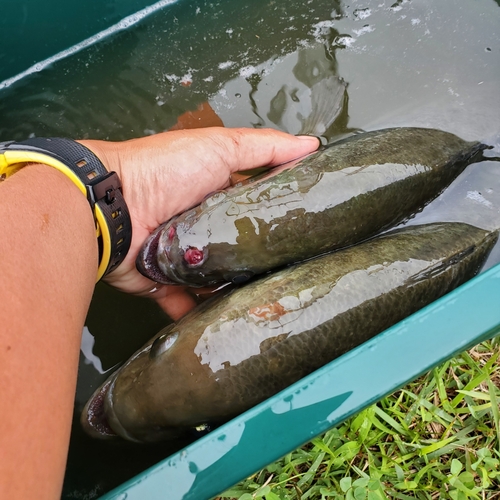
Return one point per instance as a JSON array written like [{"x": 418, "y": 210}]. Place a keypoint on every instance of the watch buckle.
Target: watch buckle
[{"x": 103, "y": 188}]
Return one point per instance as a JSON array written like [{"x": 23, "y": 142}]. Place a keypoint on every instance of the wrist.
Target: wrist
[
  {"x": 107, "y": 152},
  {"x": 101, "y": 188}
]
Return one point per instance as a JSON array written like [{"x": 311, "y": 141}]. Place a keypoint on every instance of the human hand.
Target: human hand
[{"x": 165, "y": 174}]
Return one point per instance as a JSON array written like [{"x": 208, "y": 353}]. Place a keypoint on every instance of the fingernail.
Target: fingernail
[{"x": 322, "y": 140}]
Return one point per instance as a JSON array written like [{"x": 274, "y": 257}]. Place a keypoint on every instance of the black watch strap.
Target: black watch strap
[{"x": 102, "y": 188}]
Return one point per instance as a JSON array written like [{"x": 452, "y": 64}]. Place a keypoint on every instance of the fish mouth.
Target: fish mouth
[
  {"x": 93, "y": 419},
  {"x": 147, "y": 260},
  {"x": 112, "y": 419},
  {"x": 98, "y": 418}
]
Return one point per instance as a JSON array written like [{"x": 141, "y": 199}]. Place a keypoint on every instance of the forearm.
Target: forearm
[{"x": 47, "y": 275}]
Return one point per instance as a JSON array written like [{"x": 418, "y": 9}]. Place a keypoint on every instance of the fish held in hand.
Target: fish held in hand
[
  {"x": 234, "y": 351},
  {"x": 341, "y": 195}
]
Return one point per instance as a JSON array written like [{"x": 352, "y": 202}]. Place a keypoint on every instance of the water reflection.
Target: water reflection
[
  {"x": 300, "y": 93},
  {"x": 141, "y": 80}
]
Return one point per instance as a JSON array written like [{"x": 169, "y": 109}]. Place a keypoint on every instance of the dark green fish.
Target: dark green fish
[
  {"x": 234, "y": 351},
  {"x": 334, "y": 198}
]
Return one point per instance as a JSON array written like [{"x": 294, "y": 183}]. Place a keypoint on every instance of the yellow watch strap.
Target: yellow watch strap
[{"x": 113, "y": 226}]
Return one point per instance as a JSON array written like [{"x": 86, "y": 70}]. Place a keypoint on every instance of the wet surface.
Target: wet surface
[
  {"x": 219, "y": 361},
  {"x": 319, "y": 205},
  {"x": 408, "y": 63}
]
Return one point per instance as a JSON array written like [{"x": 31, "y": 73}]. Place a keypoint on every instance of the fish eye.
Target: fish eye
[
  {"x": 194, "y": 257},
  {"x": 162, "y": 344}
]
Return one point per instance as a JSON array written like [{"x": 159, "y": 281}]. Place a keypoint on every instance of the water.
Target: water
[{"x": 409, "y": 63}]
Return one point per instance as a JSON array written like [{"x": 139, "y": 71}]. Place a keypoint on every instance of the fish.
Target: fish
[
  {"x": 339, "y": 196},
  {"x": 235, "y": 350}
]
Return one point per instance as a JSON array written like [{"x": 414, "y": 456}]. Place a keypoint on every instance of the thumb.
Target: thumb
[{"x": 244, "y": 148}]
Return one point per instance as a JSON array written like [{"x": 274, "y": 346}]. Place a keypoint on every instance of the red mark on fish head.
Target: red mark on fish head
[
  {"x": 194, "y": 256},
  {"x": 171, "y": 233}
]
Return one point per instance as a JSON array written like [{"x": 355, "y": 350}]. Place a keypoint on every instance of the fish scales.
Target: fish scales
[
  {"x": 334, "y": 198},
  {"x": 234, "y": 351}
]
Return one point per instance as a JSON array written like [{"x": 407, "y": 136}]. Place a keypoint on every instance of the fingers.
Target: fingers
[
  {"x": 177, "y": 169},
  {"x": 244, "y": 149},
  {"x": 238, "y": 148},
  {"x": 177, "y": 303}
]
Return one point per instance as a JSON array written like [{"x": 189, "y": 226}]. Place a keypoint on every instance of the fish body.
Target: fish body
[
  {"x": 234, "y": 351},
  {"x": 341, "y": 195}
]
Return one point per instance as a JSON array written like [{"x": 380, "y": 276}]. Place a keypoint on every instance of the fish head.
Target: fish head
[
  {"x": 149, "y": 398},
  {"x": 162, "y": 259},
  {"x": 192, "y": 250}
]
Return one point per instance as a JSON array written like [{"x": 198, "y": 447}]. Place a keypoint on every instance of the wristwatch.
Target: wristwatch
[{"x": 102, "y": 189}]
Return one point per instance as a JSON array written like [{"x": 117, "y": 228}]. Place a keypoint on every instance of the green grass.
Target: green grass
[{"x": 437, "y": 438}]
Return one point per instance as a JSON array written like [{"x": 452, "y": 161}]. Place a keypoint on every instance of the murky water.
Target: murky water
[{"x": 409, "y": 63}]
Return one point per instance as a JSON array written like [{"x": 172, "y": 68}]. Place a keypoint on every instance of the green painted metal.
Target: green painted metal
[
  {"x": 32, "y": 31},
  {"x": 463, "y": 318}
]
